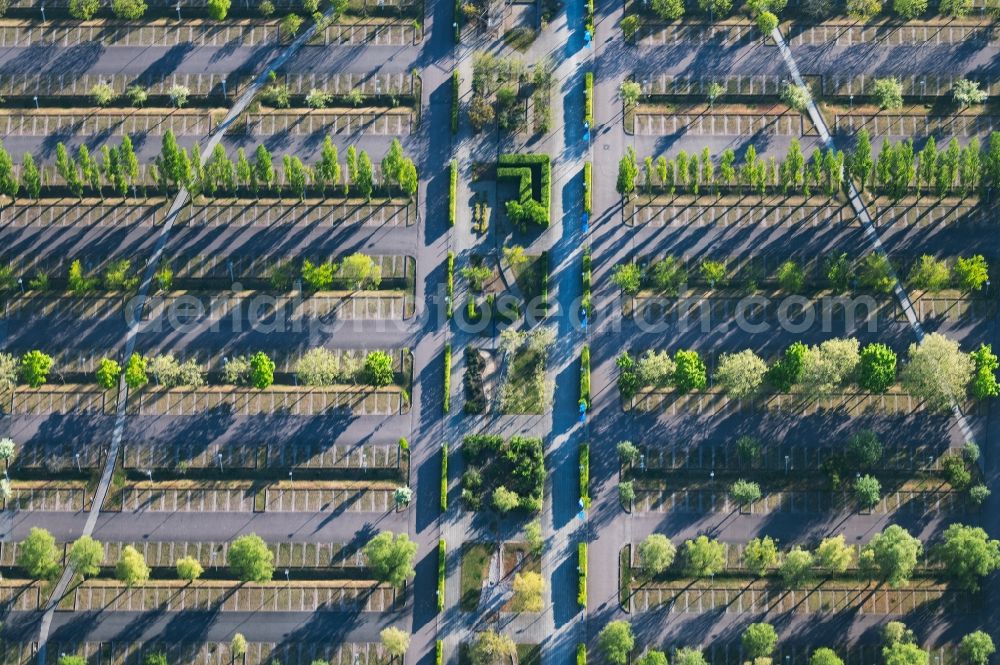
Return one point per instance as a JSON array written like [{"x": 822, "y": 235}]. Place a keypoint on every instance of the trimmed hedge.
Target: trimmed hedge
[
  {"x": 585, "y": 375},
  {"x": 581, "y": 654},
  {"x": 581, "y": 594},
  {"x": 442, "y": 557},
  {"x": 588, "y": 18},
  {"x": 447, "y": 378},
  {"x": 451, "y": 284},
  {"x": 453, "y": 193},
  {"x": 444, "y": 477},
  {"x": 524, "y": 168},
  {"x": 588, "y": 98},
  {"x": 585, "y": 474},
  {"x": 588, "y": 187},
  {"x": 588, "y": 306},
  {"x": 454, "y": 101}
]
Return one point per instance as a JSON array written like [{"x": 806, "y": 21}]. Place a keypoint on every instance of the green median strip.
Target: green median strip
[
  {"x": 442, "y": 555},
  {"x": 444, "y": 477},
  {"x": 446, "y": 405},
  {"x": 581, "y": 594}
]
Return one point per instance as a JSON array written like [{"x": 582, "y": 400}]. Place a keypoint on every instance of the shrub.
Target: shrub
[
  {"x": 865, "y": 449},
  {"x": 588, "y": 187},
  {"x": 444, "y": 477},
  {"x": 868, "y": 491},
  {"x": 585, "y": 475},
  {"x": 83, "y": 9},
  {"x": 971, "y": 273},
  {"x": 170, "y": 373},
  {"x": 690, "y": 371},
  {"x": 877, "y": 368},
  {"x": 797, "y": 97},
  {"x": 791, "y": 276},
  {"x": 452, "y": 192},
  {"x": 669, "y": 10},
  {"x": 581, "y": 563},
  {"x": 217, "y": 9},
  {"x": 745, "y": 492},
  {"x": 474, "y": 390},
  {"x": 446, "y": 402},
  {"x": 188, "y": 568},
  {"x": 888, "y": 93},
  {"x": 957, "y": 473},
  {"x": 442, "y": 573},
  {"x": 102, "y": 93},
  {"x": 378, "y": 369},
  {"x": 909, "y": 9},
  {"x": 128, "y": 9},
  {"x": 455, "y": 103},
  {"x": 864, "y": 10},
  {"x": 585, "y": 376},
  {"x": 588, "y": 93},
  {"x": 984, "y": 381},
  {"x": 35, "y": 367},
  {"x": 929, "y": 273}
]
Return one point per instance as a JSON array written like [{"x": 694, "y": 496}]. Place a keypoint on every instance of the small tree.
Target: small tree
[
  {"x": 107, "y": 374},
  {"x": 527, "y": 587},
  {"x": 8, "y": 450},
  {"x": 825, "y": 656},
  {"x": 630, "y": 92},
  {"x": 976, "y": 648},
  {"x": 759, "y": 640},
  {"x": 179, "y": 93},
  {"x": 833, "y": 556},
  {"x": 669, "y": 10},
  {"x": 490, "y": 648},
  {"x": 767, "y": 23},
  {"x": 250, "y": 560},
  {"x": 796, "y": 97},
  {"x": 378, "y": 369},
  {"x": 690, "y": 372},
  {"x": 740, "y": 374},
  {"x": 968, "y": 554},
  {"x": 656, "y": 553},
  {"x": 290, "y": 25},
  {"x": 38, "y": 555},
  {"x": 218, "y": 9},
  {"x": 703, "y": 557},
  {"x": 238, "y": 645},
  {"x": 628, "y": 169},
  {"x": 888, "y": 93},
  {"x": 877, "y": 368},
  {"x": 652, "y": 657},
  {"x": 505, "y": 500},
  {"x": 402, "y": 496},
  {"x": 864, "y": 10},
  {"x": 391, "y": 558},
  {"x": 395, "y": 641},
  {"x": 909, "y": 9},
  {"x": 902, "y": 653},
  {"x": 865, "y": 449},
  {"x": 131, "y": 568},
  {"x": 627, "y": 277},
  {"x": 188, "y": 568},
  {"x": 891, "y": 555},
  {"x": 796, "y": 567},
  {"x": 744, "y": 492},
  {"x": 35, "y": 367},
  {"x": 929, "y": 273},
  {"x": 760, "y": 554},
  {"x": 616, "y": 642},
  {"x": 83, "y": 9},
  {"x": 30, "y": 176},
  {"x": 533, "y": 534},
  {"x": 366, "y": 178},
  {"x": 261, "y": 370},
  {"x": 85, "y": 556},
  {"x": 129, "y": 10},
  {"x": 970, "y": 274},
  {"x": 967, "y": 93},
  {"x": 937, "y": 372},
  {"x": 868, "y": 491},
  {"x": 626, "y": 493},
  {"x": 984, "y": 381},
  {"x": 135, "y": 372},
  {"x": 713, "y": 92}
]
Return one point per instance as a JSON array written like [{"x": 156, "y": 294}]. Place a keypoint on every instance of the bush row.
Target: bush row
[
  {"x": 474, "y": 389},
  {"x": 452, "y": 192},
  {"x": 937, "y": 371},
  {"x": 588, "y": 187},
  {"x": 586, "y": 303},
  {"x": 446, "y": 404},
  {"x": 581, "y": 654},
  {"x": 588, "y": 18},
  {"x": 444, "y": 477},
  {"x": 455, "y": 94},
  {"x": 585, "y": 376},
  {"x": 585, "y": 475},
  {"x": 442, "y": 565},
  {"x": 439, "y": 644},
  {"x": 581, "y": 594},
  {"x": 451, "y": 284},
  {"x": 457, "y": 21},
  {"x": 588, "y": 98}
]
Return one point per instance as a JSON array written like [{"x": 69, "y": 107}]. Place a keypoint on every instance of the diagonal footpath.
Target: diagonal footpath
[
  {"x": 861, "y": 212},
  {"x": 134, "y": 316}
]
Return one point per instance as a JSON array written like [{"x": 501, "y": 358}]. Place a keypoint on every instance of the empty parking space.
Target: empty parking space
[
  {"x": 358, "y": 500},
  {"x": 34, "y": 123},
  {"x": 377, "y": 122},
  {"x": 890, "y": 124},
  {"x": 55, "y": 400},
  {"x": 48, "y": 497},
  {"x": 163, "y": 498},
  {"x": 390, "y": 213},
  {"x": 848, "y": 34},
  {"x": 718, "y": 124},
  {"x": 372, "y": 34},
  {"x": 665, "y": 35},
  {"x": 56, "y": 33},
  {"x": 301, "y": 402}
]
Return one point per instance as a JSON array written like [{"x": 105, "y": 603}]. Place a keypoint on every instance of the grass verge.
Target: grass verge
[
  {"x": 581, "y": 593},
  {"x": 446, "y": 404},
  {"x": 585, "y": 376},
  {"x": 444, "y": 477},
  {"x": 442, "y": 555},
  {"x": 453, "y": 193},
  {"x": 475, "y": 561},
  {"x": 585, "y": 474}
]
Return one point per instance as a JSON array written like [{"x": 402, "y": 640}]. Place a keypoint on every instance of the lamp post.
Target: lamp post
[
  {"x": 287, "y": 576},
  {"x": 223, "y": 87},
  {"x": 76, "y": 456},
  {"x": 218, "y": 458},
  {"x": 178, "y": 10},
  {"x": 36, "y": 102},
  {"x": 20, "y": 282},
  {"x": 43, "y": 12},
  {"x": 787, "y": 459},
  {"x": 149, "y": 474}
]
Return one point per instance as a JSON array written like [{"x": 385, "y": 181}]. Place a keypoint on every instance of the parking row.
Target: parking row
[
  {"x": 828, "y": 598},
  {"x": 848, "y": 34},
  {"x": 375, "y": 122},
  {"x": 798, "y": 502},
  {"x": 284, "y": 454},
  {"x": 649, "y": 123},
  {"x": 161, "y": 497},
  {"x": 914, "y": 126},
  {"x": 48, "y": 497},
  {"x": 358, "y": 401},
  {"x": 223, "y": 597},
  {"x": 299, "y": 555},
  {"x": 202, "y": 652}
]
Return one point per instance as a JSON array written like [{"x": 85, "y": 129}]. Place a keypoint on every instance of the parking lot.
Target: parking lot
[
  {"x": 238, "y": 455},
  {"x": 276, "y": 213},
  {"x": 231, "y": 597},
  {"x": 203, "y": 497},
  {"x": 359, "y": 499},
  {"x": 55, "y": 399},
  {"x": 49, "y": 496},
  {"x": 376, "y": 122},
  {"x": 298, "y": 555},
  {"x": 723, "y": 35},
  {"x": 848, "y": 34},
  {"x": 205, "y": 652},
  {"x": 826, "y": 597},
  {"x": 915, "y": 126},
  {"x": 190, "y": 122}
]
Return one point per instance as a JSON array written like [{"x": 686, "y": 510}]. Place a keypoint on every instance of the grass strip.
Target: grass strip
[
  {"x": 581, "y": 594},
  {"x": 444, "y": 477},
  {"x": 447, "y": 378},
  {"x": 441, "y": 574}
]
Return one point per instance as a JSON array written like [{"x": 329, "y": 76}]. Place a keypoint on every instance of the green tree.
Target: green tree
[
  {"x": 628, "y": 169},
  {"x": 976, "y": 648},
  {"x": 9, "y": 183},
  {"x": 744, "y": 492},
  {"x": 131, "y": 567},
  {"x": 652, "y": 657},
  {"x": 833, "y": 556},
  {"x": 290, "y": 25},
  {"x": 927, "y": 170},
  {"x": 217, "y": 9},
  {"x": 360, "y": 271},
  {"x": 296, "y": 176},
  {"x": 669, "y": 10},
  {"x": 796, "y": 97},
  {"x": 261, "y": 370},
  {"x": 328, "y": 168},
  {"x": 129, "y": 10},
  {"x": 395, "y": 641},
  {"x": 527, "y": 587},
  {"x": 760, "y": 554},
  {"x": 107, "y": 374},
  {"x": 891, "y": 555},
  {"x": 830, "y": 366},
  {"x": 391, "y": 558},
  {"x": 85, "y": 556},
  {"x": 964, "y": 91},
  {"x": 740, "y": 374},
  {"x": 703, "y": 557},
  {"x": 876, "y": 274},
  {"x": 791, "y": 276},
  {"x": 864, "y": 449},
  {"x": 30, "y": 176},
  {"x": 796, "y": 567},
  {"x": 83, "y": 9},
  {"x": 250, "y": 560},
  {"x": 626, "y": 492},
  {"x": 188, "y": 568},
  {"x": 767, "y": 22},
  {"x": 135, "y": 372},
  {"x": 864, "y": 10},
  {"x": 38, "y": 555},
  {"x": 929, "y": 274},
  {"x": 904, "y": 653},
  {"x": 688, "y": 656},
  {"x": 968, "y": 554},
  {"x": 627, "y": 277},
  {"x": 759, "y": 640},
  {"x": 392, "y": 162},
  {"x": 244, "y": 172},
  {"x": 868, "y": 491},
  {"x": 888, "y": 92},
  {"x": 616, "y": 642},
  {"x": 238, "y": 645},
  {"x": 971, "y": 273},
  {"x": 984, "y": 381},
  {"x": 713, "y": 272},
  {"x": 505, "y": 500},
  {"x": 656, "y": 554},
  {"x": 378, "y": 369},
  {"x": 490, "y": 648},
  {"x": 909, "y": 9},
  {"x": 263, "y": 167},
  {"x": 35, "y": 367},
  {"x": 937, "y": 372},
  {"x": 690, "y": 372},
  {"x": 861, "y": 162},
  {"x": 825, "y": 656},
  {"x": 365, "y": 176},
  {"x": 787, "y": 372},
  {"x": 877, "y": 368}
]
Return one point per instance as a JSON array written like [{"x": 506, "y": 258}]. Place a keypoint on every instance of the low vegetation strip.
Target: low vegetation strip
[
  {"x": 450, "y": 286},
  {"x": 455, "y": 100},
  {"x": 444, "y": 477},
  {"x": 588, "y": 98},
  {"x": 446, "y": 402},
  {"x": 585, "y": 475},
  {"x": 588, "y": 187},
  {"x": 581, "y": 594},
  {"x": 442, "y": 568},
  {"x": 585, "y": 378},
  {"x": 452, "y": 192}
]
